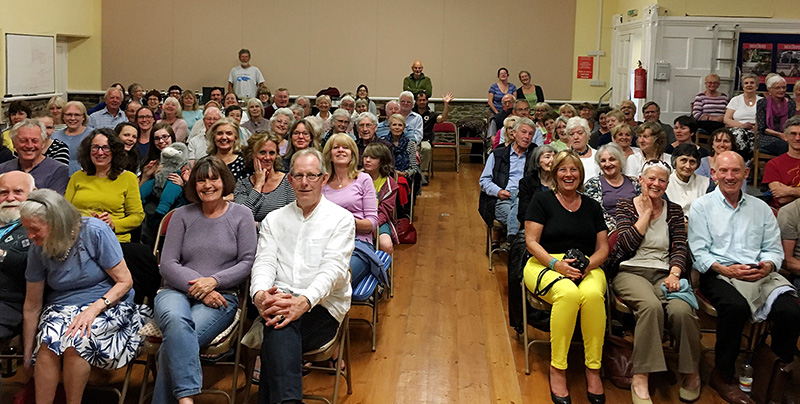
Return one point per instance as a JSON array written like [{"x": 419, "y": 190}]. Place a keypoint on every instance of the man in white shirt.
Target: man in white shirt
[
  {"x": 197, "y": 143},
  {"x": 300, "y": 280},
  {"x": 245, "y": 79},
  {"x": 413, "y": 119}
]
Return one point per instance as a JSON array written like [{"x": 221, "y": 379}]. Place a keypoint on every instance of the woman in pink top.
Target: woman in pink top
[{"x": 352, "y": 190}]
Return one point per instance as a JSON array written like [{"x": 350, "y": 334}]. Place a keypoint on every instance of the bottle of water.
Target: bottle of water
[{"x": 746, "y": 377}]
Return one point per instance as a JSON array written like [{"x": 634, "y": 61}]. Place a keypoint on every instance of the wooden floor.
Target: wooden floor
[{"x": 444, "y": 337}]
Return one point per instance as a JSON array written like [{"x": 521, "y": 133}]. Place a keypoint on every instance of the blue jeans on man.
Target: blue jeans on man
[{"x": 505, "y": 209}]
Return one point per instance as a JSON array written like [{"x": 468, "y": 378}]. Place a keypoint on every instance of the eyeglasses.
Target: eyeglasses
[
  {"x": 304, "y": 134},
  {"x": 163, "y": 138},
  {"x": 311, "y": 177},
  {"x": 145, "y": 117},
  {"x": 72, "y": 115},
  {"x": 97, "y": 148}
]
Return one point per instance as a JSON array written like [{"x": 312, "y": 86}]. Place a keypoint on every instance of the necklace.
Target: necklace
[
  {"x": 583, "y": 153},
  {"x": 566, "y": 204},
  {"x": 748, "y": 102}
]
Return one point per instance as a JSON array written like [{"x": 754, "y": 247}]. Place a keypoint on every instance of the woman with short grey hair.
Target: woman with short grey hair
[
  {"x": 611, "y": 184},
  {"x": 772, "y": 112},
  {"x": 740, "y": 115},
  {"x": 279, "y": 124}
]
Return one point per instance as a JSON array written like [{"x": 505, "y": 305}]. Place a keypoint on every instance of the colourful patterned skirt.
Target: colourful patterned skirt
[{"x": 114, "y": 340}]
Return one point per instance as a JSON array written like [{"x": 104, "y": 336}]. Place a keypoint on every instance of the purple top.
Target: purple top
[
  {"x": 196, "y": 246},
  {"x": 359, "y": 198},
  {"x": 612, "y": 194}
]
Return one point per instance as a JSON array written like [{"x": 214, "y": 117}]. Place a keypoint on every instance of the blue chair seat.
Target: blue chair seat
[{"x": 365, "y": 288}]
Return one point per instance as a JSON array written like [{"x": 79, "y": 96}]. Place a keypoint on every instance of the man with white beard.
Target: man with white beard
[{"x": 14, "y": 188}]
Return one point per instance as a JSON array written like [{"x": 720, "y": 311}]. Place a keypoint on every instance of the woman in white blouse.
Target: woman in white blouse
[
  {"x": 740, "y": 115},
  {"x": 684, "y": 184}
]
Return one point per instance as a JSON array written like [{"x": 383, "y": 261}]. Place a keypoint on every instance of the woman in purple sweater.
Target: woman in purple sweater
[
  {"x": 352, "y": 190},
  {"x": 208, "y": 252}
]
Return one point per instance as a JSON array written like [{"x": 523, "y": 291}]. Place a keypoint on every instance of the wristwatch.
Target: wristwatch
[{"x": 107, "y": 302}]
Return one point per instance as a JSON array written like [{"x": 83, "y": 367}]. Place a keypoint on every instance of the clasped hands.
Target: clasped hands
[
  {"x": 745, "y": 272},
  {"x": 202, "y": 289},
  {"x": 279, "y": 308}
]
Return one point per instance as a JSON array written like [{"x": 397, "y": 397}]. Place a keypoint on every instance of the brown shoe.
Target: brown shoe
[{"x": 728, "y": 390}]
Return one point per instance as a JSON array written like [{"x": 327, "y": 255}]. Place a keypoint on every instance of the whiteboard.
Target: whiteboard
[{"x": 30, "y": 64}]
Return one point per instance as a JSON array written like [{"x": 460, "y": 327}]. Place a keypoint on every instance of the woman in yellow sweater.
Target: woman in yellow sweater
[{"x": 105, "y": 190}]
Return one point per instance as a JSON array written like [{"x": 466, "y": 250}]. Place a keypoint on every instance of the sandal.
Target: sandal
[{"x": 256, "y": 378}]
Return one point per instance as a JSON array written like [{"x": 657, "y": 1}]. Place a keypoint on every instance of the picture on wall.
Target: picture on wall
[
  {"x": 757, "y": 59},
  {"x": 763, "y": 53},
  {"x": 788, "y": 64}
]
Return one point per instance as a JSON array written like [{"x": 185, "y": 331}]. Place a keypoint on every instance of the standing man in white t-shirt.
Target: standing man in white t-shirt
[{"x": 245, "y": 79}]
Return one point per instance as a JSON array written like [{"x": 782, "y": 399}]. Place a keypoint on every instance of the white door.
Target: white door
[
  {"x": 688, "y": 50},
  {"x": 621, "y": 68},
  {"x": 62, "y": 70}
]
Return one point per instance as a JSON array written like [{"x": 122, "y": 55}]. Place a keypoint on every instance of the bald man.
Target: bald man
[
  {"x": 14, "y": 188},
  {"x": 736, "y": 246},
  {"x": 417, "y": 81}
]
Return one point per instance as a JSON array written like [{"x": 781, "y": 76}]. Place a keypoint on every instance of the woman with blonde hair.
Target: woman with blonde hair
[
  {"x": 224, "y": 143},
  {"x": 191, "y": 110},
  {"x": 559, "y": 221},
  {"x": 56, "y": 106},
  {"x": 354, "y": 191}
]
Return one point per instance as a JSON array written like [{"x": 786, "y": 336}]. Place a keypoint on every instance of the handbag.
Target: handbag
[
  {"x": 406, "y": 231},
  {"x": 772, "y": 377},
  {"x": 618, "y": 361}
]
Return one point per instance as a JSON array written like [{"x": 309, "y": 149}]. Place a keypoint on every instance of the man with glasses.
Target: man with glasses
[
  {"x": 652, "y": 113},
  {"x": 413, "y": 119},
  {"x": 198, "y": 144},
  {"x": 341, "y": 124},
  {"x": 300, "y": 281},
  {"x": 367, "y": 125}
]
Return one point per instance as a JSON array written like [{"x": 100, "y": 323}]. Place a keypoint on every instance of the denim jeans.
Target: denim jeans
[
  {"x": 358, "y": 267},
  {"x": 187, "y": 325},
  {"x": 282, "y": 354},
  {"x": 505, "y": 210}
]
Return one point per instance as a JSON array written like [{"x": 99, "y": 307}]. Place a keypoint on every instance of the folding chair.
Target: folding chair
[
  {"x": 367, "y": 293},
  {"x": 222, "y": 344},
  {"x": 537, "y": 303},
  {"x": 339, "y": 345},
  {"x": 760, "y": 160},
  {"x": 445, "y": 136},
  {"x": 471, "y": 140},
  {"x": 491, "y": 248}
]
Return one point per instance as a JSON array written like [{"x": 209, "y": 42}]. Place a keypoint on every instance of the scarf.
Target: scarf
[
  {"x": 779, "y": 110},
  {"x": 401, "y": 158}
]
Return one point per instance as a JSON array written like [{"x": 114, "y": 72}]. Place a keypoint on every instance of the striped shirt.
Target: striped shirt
[
  {"x": 712, "y": 106},
  {"x": 58, "y": 151}
]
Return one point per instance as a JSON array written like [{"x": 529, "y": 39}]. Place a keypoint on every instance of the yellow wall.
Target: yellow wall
[
  {"x": 79, "y": 20},
  {"x": 586, "y": 27}
]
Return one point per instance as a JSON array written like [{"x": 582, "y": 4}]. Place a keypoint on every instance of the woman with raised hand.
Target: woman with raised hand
[
  {"x": 208, "y": 252},
  {"x": 648, "y": 263},
  {"x": 558, "y": 221},
  {"x": 267, "y": 188}
]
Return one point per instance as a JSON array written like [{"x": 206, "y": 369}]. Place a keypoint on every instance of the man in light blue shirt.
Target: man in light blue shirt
[
  {"x": 111, "y": 115},
  {"x": 736, "y": 245},
  {"x": 392, "y": 107},
  {"x": 413, "y": 119},
  {"x": 500, "y": 178}
]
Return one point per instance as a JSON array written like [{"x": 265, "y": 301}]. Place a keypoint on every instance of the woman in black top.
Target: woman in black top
[{"x": 556, "y": 222}]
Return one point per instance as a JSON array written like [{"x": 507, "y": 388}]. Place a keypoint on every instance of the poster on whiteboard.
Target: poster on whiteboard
[{"x": 788, "y": 64}]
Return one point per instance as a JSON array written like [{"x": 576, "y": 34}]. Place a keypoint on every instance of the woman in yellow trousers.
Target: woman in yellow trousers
[{"x": 556, "y": 222}]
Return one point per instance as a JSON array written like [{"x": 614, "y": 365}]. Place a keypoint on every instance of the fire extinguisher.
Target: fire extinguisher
[{"x": 640, "y": 82}]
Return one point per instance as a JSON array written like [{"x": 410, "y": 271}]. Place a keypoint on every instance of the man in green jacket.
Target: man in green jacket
[{"x": 417, "y": 81}]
